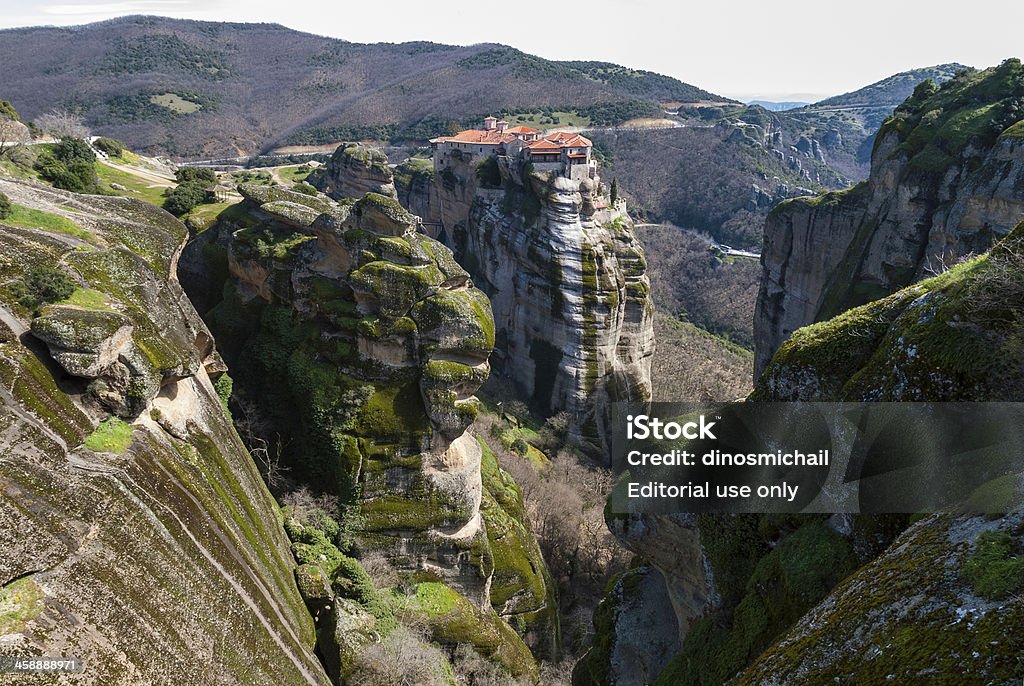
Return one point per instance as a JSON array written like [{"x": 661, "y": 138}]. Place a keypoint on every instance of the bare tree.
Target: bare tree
[
  {"x": 268, "y": 460},
  {"x": 63, "y": 124},
  {"x": 305, "y": 503},
  {"x": 251, "y": 426},
  {"x": 404, "y": 658}
]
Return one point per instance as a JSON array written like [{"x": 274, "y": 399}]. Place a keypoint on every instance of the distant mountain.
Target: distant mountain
[
  {"x": 891, "y": 91},
  {"x": 776, "y": 106},
  {"x": 193, "y": 88},
  {"x": 845, "y": 125}
]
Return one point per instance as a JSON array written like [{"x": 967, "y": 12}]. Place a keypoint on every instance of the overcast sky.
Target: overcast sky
[{"x": 781, "y": 49}]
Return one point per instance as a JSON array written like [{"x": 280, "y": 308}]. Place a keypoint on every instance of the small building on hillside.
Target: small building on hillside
[{"x": 563, "y": 153}]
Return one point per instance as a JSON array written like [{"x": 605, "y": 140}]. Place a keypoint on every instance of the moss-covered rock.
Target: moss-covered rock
[
  {"x": 523, "y": 591},
  {"x": 259, "y": 195},
  {"x": 130, "y": 535},
  {"x": 946, "y": 182},
  {"x": 384, "y": 215},
  {"x": 952, "y": 337},
  {"x": 935, "y": 606},
  {"x": 362, "y": 348},
  {"x": 355, "y": 170},
  {"x": 291, "y": 213},
  {"x": 454, "y": 620},
  {"x": 910, "y": 616},
  {"x": 635, "y": 632},
  {"x": 85, "y": 342}
]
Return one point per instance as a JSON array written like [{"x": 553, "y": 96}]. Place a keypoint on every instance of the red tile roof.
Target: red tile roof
[
  {"x": 543, "y": 144},
  {"x": 552, "y": 142},
  {"x": 521, "y": 129},
  {"x": 570, "y": 140},
  {"x": 477, "y": 136}
]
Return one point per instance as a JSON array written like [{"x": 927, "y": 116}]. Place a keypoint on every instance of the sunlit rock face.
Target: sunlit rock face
[
  {"x": 567, "y": 281},
  {"x": 932, "y": 198},
  {"x": 148, "y": 545}
]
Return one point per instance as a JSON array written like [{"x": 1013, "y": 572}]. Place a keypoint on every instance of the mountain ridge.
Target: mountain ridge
[{"x": 120, "y": 73}]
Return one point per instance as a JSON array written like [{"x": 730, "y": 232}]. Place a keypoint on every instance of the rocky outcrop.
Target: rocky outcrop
[
  {"x": 13, "y": 132},
  {"x": 567, "y": 281},
  {"x": 637, "y": 630},
  {"x": 947, "y": 179},
  {"x": 355, "y": 170},
  {"x": 950, "y": 337},
  {"x": 403, "y": 319},
  {"x": 414, "y": 181},
  {"x": 802, "y": 599},
  {"x": 135, "y": 530},
  {"x": 361, "y": 342},
  {"x": 642, "y": 621},
  {"x": 940, "y": 593},
  {"x": 914, "y": 612}
]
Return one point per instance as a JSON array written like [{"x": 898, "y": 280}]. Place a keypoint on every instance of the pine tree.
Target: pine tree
[{"x": 615, "y": 191}]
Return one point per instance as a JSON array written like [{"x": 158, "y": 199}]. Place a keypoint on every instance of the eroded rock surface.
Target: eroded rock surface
[
  {"x": 947, "y": 180},
  {"x": 355, "y": 170},
  {"x": 148, "y": 546},
  {"x": 567, "y": 281},
  {"x": 361, "y": 342}
]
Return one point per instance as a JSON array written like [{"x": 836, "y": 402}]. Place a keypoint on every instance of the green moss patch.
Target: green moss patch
[
  {"x": 21, "y": 601},
  {"x": 87, "y": 298},
  {"x": 29, "y": 218},
  {"x": 996, "y": 567},
  {"x": 454, "y": 620},
  {"x": 111, "y": 436}
]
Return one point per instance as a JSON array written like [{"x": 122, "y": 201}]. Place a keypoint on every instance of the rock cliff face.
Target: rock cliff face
[
  {"x": 355, "y": 170},
  {"x": 566, "y": 278},
  {"x": 147, "y": 544},
  {"x": 927, "y": 602},
  {"x": 914, "y": 610},
  {"x": 361, "y": 342},
  {"x": 803, "y": 599},
  {"x": 641, "y": 623},
  {"x": 947, "y": 179}
]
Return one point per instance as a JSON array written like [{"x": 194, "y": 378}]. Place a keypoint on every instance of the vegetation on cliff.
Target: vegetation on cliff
[
  {"x": 96, "y": 456},
  {"x": 952, "y": 337}
]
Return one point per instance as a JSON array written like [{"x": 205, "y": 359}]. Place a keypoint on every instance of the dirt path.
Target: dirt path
[{"x": 158, "y": 180}]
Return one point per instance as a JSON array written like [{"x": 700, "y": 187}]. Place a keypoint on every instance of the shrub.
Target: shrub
[
  {"x": 518, "y": 409},
  {"x": 198, "y": 175},
  {"x": 185, "y": 197},
  {"x": 519, "y": 447},
  {"x": 224, "y": 386},
  {"x": 42, "y": 285},
  {"x": 7, "y": 110},
  {"x": 72, "y": 150},
  {"x": 995, "y": 569},
  {"x": 109, "y": 146},
  {"x": 70, "y": 166},
  {"x": 405, "y": 657},
  {"x": 5, "y": 206},
  {"x": 304, "y": 188},
  {"x": 24, "y": 156},
  {"x": 488, "y": 174}
]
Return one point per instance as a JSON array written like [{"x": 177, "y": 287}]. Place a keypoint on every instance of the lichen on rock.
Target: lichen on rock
[
  {"x": 363, "y": 345},
  {"x": 133, "y": 535},
  {"x": 567, "y": 282}
]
